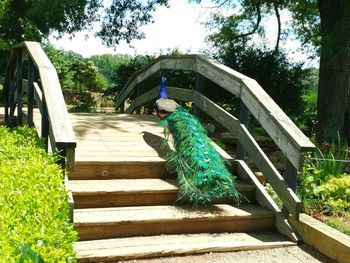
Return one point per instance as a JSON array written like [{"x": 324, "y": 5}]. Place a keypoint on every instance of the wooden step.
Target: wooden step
[
  {"x": 118, "y": 168},
  {"x": 112, "y": 250},
  {"x": 134, "y": 192},
  {"x": 101, "y": 223}
]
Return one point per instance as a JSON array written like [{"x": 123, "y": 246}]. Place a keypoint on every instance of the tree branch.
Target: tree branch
[
  {"x": 256, "y": 27},
  {"x": 275, "y": 5}
]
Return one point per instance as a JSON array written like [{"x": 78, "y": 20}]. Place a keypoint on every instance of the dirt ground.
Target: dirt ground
[{"x": 297, "y": 254}]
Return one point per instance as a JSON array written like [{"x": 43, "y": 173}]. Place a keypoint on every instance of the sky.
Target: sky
[
  {"x": 176, "y": 27},
  {"x": 180, "y": 26}
]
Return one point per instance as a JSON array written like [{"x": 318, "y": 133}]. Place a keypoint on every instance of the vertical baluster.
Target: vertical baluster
[
  {"x": 19, "y": 87},
  {"x": 11, "y": 98},
  {"x": 30, "y": 91},
  {"x": 44, "y": 122},
  {"x": 62, "y": 160},
  {"x": 7, "y": 105},
  {"x": 138, "y": 93},
  {"x": 199, "y": 87},
  {"x": 291, "y": 175},
  {"x": 244, "y": 119}
]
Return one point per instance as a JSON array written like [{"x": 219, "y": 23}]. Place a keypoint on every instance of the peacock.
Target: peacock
[{"x": 202, "y": 174}]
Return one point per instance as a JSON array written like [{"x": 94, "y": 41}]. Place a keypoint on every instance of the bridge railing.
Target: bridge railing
[
  {"x": 287, "y": 136},
  {"x": 42, "y": 88}
]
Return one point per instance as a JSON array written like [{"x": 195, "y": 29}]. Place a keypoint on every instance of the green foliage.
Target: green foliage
[
  {"x": 322, "y": 181},
  {"x": 75, "y": 72},
  {"x": 84, "y": 74},
  {"x": 335, "y": 194},
  {"x": 202, "y": 174},
  {"x": 274, "y": 196},
  {"x": 107, "y": 64},
  {"x": 34, "y": 210},
  {"x": 28, "y": 254},
  {"x": 34, "y": 20},
  {"x": 282, "y": 80}
]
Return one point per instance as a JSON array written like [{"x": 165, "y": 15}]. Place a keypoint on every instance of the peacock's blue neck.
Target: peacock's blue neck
[{"x": 162, "y": 91}]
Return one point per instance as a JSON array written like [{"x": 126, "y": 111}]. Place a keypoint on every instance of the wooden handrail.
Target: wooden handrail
[
  {"x": 55, "y": 127},
  {"x": 277, "y": 124}
]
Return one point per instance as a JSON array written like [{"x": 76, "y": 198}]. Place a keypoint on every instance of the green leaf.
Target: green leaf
[{"x": 28, "y": 254}]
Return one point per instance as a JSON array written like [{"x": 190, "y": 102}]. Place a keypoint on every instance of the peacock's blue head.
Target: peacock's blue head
[{"x": 162, "y": 91}]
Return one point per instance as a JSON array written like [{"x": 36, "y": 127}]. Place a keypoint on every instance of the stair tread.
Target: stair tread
[
  {"x": 165, "y": 213},
  {"x": 162, "y": 245},
  {"x": 130, "y": 186}
]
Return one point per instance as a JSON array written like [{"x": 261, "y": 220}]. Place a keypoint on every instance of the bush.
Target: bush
[
  {"x": 34, "y": 211},
  {"x": 335, "y": 194}
]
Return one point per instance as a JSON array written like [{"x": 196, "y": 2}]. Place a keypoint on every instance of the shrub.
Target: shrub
[
  {"x": 335, "y": 194},
  {"x": 34, "y": 211}
]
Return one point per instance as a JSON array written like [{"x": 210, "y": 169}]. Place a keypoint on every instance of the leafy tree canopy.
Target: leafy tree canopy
[
  {"x": 34, "y": 20},
  {"x": 246, "y": 20}
]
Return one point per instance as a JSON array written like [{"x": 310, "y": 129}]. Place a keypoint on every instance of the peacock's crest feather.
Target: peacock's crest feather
[{"x": 202, "y": 174}]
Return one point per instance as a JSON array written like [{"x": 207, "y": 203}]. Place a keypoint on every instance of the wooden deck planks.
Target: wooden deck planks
[
  {"x": 165, "y": 245},
  {"x": 126, "y": 186},
  {"x": 143, "y": 214},
  {"x": 136, "y": 192},
  {"x": 102, "y": 223}
]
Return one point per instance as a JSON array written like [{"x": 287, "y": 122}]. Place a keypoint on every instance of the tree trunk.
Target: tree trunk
[{"x": 333, "y": 104}]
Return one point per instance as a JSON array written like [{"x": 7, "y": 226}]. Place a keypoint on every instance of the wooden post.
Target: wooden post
[
  {"x": 30, "y": 91},
  {"x": 7, "y": 105},
  {"x": 62, "y": 160},
  {"x": 199, "y": 87},
  {"x": 12, "y": 121},
  {"x": 291, "y": 175},
  {"x": 45, "y": 123},
  {"x": 138, "y": 93},
  {"x": 244, "y": 119},
  {"x": 19, "y": 87}
]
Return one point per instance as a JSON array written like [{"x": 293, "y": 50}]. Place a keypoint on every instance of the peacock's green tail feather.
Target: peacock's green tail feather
[{"x": 202, "y": 174}]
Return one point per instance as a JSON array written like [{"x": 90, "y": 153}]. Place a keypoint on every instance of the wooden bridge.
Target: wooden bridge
[{"x": 123, "y": 199}]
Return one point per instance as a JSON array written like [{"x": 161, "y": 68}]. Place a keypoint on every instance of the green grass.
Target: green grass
[
  {"x": 339, "y": 224},
  {"x": 34, "y": 212}
]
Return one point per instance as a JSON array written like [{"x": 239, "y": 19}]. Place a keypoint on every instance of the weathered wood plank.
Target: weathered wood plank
[
  {"x": 264, "y": 199},
  {"x": 56, "y": 107},
  {"x": 143, "y": 98},
  {"x": 180, "y": 94},
  {"x": 141, "y": 214},
  {"x": 123, "y": 186},
  {"x": 37, "y": 54},
  {"x": 186, "y": 62},
  {"x": 278, "y": 125},
  {"x": 117, "y": 168},
  {"x": 30, "y": 88},
  {"x": 19, "y": 91},
  {"x": 114, "y": 250},
  {"x": 173, "y": 92},
  {"x": 38, "y": 96},
  {"x": 220, "y": 74},
  {"x": 326, "y": 239},
  {"x": 137, "y": 220}
]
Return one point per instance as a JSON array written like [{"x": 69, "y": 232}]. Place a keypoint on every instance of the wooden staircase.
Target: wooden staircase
[{"x": 124, "y": 205}]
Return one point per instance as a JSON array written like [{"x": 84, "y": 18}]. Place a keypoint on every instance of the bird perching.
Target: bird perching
[{"x": 202, "y": 174}]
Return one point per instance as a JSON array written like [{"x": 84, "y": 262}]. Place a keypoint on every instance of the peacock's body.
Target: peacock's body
[{"x": 202, "y": 174}]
